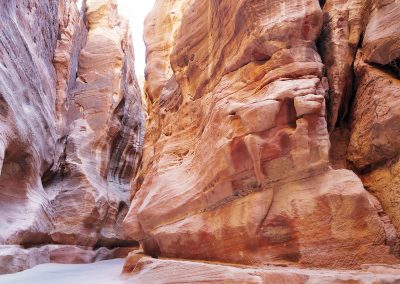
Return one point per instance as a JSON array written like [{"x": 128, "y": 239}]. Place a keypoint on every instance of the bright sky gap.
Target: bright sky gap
[{"x": 136, "y": 11}]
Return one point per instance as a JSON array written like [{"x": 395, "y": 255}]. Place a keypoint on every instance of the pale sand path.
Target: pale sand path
[{"x": 102, "y": 272}]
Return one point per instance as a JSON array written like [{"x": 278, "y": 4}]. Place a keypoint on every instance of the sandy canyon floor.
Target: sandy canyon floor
[{"x": 102, "y": 272}]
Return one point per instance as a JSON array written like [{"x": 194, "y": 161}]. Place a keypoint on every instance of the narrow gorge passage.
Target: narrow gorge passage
[
  {"x": 261, "y": 146},
  {"x": 72, "y": 129}
]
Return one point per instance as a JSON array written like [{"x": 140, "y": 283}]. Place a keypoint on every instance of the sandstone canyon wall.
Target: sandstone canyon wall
[
  {"x": 271, "y": 139},
  {"x": 71, "y": 128},
  {"x": 245, "y": 99}
]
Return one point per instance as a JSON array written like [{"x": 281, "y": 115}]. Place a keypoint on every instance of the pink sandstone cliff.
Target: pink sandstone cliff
[
  {"x": 71, "y": 128},
  {"x": 270, "y": 155},
  {"x": 244, "y": 100}
]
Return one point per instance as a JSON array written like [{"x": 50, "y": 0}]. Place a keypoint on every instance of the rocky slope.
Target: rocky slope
[
  {"x": 71, "y": 124},
  {"x": 242, "y": 98}
]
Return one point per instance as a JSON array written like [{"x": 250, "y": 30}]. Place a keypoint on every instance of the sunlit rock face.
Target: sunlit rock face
[
  {"x": 236, "y": 165},
  {"x": 71, "y": 123}
]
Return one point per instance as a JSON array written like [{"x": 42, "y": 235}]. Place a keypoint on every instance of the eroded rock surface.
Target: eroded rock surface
[
  {"x": 71, "y": 123},
  {"x": 340, "y": 36},
  {"x": 236, "y": 165},
  {"x": 362, "y": 38},
  {"x": 103, "y": 143},
  {"x": 28, "y": 122},
  {"x": 244, "y": 99}
]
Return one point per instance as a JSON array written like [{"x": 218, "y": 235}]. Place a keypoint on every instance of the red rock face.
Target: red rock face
[
  {"x": 244, "y": 100},
  {"x": 236, "y": 159},
  {"x": 374, "y": 143},
  {"x": 103, "y": 143},
  {"x": 71, "y": 123},
  {"x": 371, "y": 121},
  {"x": 340, "y": 36}
]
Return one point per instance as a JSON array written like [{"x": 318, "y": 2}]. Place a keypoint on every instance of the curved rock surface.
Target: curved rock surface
[
  {"x": 244, "y": 101},
  {"x": 71, "y": 123},
  {"x": 236, "y": 159},
  {"x": 104, "y": 139}
]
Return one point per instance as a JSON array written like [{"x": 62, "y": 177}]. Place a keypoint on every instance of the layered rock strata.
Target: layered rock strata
[
  {"x": 236, "y": 160},
  {"x": 103, "y": 143},
  {"x": 71, "y": 123}
]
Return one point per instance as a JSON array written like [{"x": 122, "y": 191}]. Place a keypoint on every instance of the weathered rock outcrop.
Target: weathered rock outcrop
[
  {"x": 374, "y": 147},
  {"x": 340, "y": 36},
  {"x": 71, "y": 125},
  {"x": 236, "y": 165},
  {"x": 362, "y": 37}
]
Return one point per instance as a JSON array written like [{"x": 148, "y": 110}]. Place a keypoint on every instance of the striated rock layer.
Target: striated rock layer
[
  {"x": 71, "y": 123},
  {"x": 105, "y": 131},
  {"x": 236, "y": 159},
  {"x": 148, "y": 270}
]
